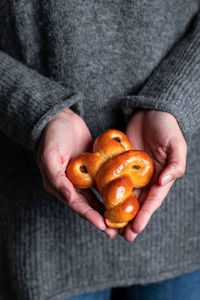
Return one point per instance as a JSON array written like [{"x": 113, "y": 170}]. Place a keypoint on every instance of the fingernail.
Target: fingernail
[
  {"x": 109, "y": 235},
  {"x": 136, "y": 234},
  {"x": 132, "y": 238},
  {"x": 102, "y": 227},
  {"x": 65, "y": 193},
  {"x": 166, "y": 179}
]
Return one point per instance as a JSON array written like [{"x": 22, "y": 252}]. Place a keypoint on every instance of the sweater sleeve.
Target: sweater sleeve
[
  {"x": 28, "y": 100},
  {"x": 174, "y": 86}
]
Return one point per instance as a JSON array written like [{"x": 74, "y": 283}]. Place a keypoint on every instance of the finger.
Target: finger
[
  {"x": 137, "y": 192},
  {"x": 129, "y": 234},
  {"x": 84, "y": 210},
  {"x": 97, "y": 205},
  {"x": 111, "y": 232},
  {"x": 80, "y": 206},
  {"x": 153, "y": 201},
  {"x": 177, "y": 152}
]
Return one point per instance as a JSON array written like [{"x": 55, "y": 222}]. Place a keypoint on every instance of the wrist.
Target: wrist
[{"x": 66, "y": 113}]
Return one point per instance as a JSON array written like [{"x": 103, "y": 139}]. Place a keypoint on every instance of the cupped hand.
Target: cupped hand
[
  {"x": 63, "y": 138},
  {"x": 158, "y": 134}
]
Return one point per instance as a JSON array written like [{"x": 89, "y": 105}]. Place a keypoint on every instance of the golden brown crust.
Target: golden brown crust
[
  {"x": 82, "y": 170},
  {"x": 111, "y": 143},
  {"x": 116, "y": 169}
]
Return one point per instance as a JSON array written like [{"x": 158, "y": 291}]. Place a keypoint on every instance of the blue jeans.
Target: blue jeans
[
  {"x": 100, "y": 295},
  {"x": 185, "y": 287}
]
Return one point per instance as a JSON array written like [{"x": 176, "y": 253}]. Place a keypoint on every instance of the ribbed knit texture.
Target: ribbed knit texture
[
  {"x": 175, "y": 85},
  {"x": 29, "y": 100},
  {"x": 104, "y": 59}
]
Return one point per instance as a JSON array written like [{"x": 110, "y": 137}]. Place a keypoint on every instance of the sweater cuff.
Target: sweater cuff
[
  {"x": 74, "y": 102},
  {"x": 174, "y": 86},
  {"x": 131, "y": 104},
  {"x": 29, "y": 100}
]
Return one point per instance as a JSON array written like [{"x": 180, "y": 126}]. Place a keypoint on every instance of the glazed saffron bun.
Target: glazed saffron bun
[{"x": 115, "y": 169}]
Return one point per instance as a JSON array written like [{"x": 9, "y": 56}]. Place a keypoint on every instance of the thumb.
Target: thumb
[{"x": 176, "y": 154}]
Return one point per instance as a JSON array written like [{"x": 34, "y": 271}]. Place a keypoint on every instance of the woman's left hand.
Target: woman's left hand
[{"x": 158, "y": 134}]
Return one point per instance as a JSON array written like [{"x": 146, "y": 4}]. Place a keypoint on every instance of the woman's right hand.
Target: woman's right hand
[{"x": 63, "y": 138}]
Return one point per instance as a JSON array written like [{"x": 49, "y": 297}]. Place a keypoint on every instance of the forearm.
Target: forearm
[
  {"x": 29, "y": 100},
  {"x": 174, "y": 86}
]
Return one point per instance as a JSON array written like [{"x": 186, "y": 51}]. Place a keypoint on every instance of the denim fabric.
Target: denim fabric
[
  {"x": 99, "y": 295},
  {"x": 186, "y": 287}
]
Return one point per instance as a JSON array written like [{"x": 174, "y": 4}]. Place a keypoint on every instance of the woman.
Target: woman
[{"x": 70, "y": 70}]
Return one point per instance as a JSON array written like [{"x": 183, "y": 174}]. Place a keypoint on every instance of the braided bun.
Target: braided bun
[{"x": 115, "y": 169}]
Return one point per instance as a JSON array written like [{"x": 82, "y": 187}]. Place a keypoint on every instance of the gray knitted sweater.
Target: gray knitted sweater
[{"x": 104, "y": 59}]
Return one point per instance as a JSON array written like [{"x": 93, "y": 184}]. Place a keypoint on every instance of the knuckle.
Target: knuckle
[
  {"x": 183, "y": 147},
  {"x": 70, "y": 202},
  {"x": 155, "y": 203},
  {"x": 180, "y": 170},
  {"x": 85, "y": 213},
  {"x": 137, "y": 228},
  {"x": 146, "y": 212},
  {"x": 184, "y": 144}
]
